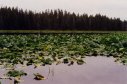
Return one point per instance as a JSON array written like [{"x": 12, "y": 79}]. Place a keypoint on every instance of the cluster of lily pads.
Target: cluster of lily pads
[{"x": 47, "y": 49}]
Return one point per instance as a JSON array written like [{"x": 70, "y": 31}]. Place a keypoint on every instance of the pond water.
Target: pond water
[{"x": 97, "y": 70}]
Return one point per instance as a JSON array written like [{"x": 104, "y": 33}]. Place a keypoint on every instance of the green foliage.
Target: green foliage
[
  {"x": 47, "y": 61},
  {"x": 16, "y": 73},
  {"x": 46, "y": 49}
]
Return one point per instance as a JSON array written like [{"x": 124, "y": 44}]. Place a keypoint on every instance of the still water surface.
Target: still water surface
[{"x": 97, "y": 70}]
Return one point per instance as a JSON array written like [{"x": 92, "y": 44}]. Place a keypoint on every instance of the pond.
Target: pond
[{"x": 96, "y": 70}]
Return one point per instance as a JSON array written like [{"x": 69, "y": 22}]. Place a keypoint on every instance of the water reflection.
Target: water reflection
[{"x": 97, "y": 70}]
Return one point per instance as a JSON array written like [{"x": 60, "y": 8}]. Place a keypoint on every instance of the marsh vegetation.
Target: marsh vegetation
[{"x": 54, "y": 49}]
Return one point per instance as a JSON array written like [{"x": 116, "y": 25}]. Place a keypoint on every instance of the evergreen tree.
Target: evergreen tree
[{"x": 14, "y": 18}]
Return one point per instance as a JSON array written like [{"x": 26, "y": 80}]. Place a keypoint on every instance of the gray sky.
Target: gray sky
[{"x": 111, "y": 8}]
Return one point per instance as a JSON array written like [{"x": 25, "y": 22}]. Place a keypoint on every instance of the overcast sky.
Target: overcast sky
[{"x": 111, "y": 8}]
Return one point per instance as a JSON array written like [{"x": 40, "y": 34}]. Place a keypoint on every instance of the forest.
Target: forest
[{"x": 19, "y": 19}]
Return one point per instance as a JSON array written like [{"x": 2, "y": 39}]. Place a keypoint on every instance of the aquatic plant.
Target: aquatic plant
[{"x": 48, "y": 49}]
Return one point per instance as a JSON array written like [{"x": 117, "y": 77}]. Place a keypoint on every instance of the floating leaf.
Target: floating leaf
[
  {"x": 71, "y": 63},
  {"x": 16, "y": 73},
  {"x": 80, "y": 62},
  {"x": 66, "y": 61},
  {"x": 47, "y": 61},
  {"x": 17, "y": 80},
  {"x": 39, "y": 77}
]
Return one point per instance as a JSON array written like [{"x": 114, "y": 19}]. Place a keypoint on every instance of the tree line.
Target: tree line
[{"x": 18, "y": 19}]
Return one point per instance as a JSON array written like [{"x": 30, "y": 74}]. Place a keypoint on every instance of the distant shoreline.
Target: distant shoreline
[{"x": 55, "y": 31}]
